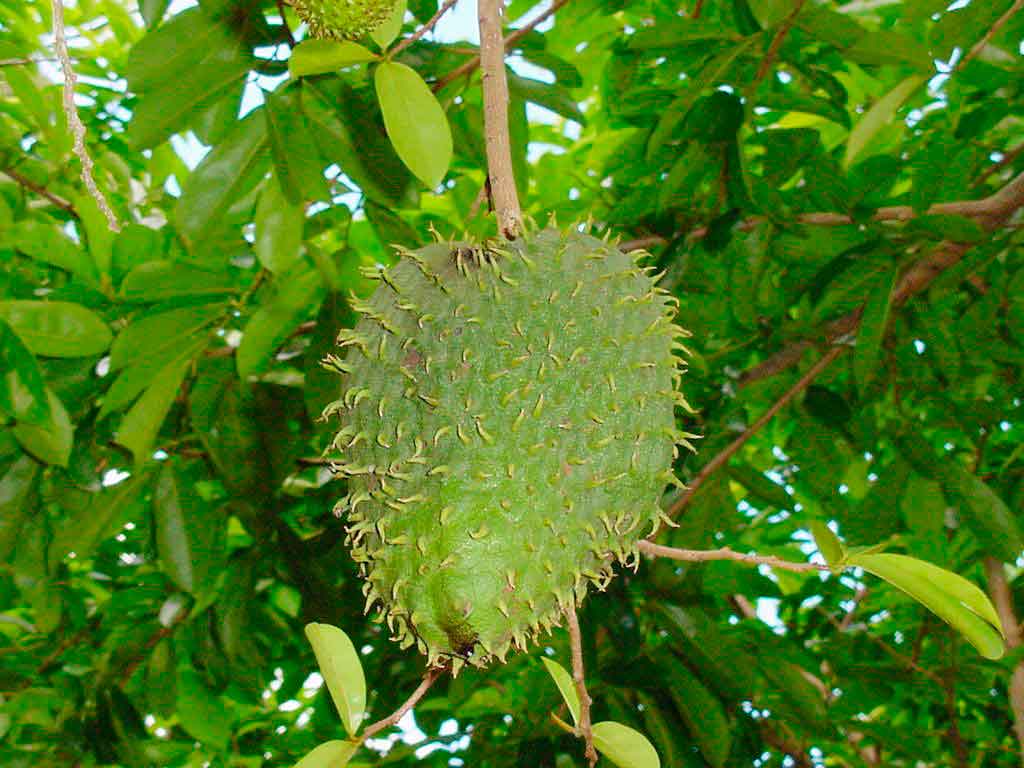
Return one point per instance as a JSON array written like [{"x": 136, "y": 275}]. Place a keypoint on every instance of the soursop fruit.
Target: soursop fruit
[
  {"x": 343, "y": 19},
  {"x": 508, "y": 428}
]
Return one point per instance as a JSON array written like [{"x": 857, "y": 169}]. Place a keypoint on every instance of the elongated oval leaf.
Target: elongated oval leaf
[
  {"x": 16, "y": 486},
  {"x": 139, "y": 427},
  {"x": 624, "y": 746},
  {"x": 388, "y": 31},
  {"x": 700, "y": 709},
  {"x": 872, "y": 330},
  {"x": 881, "y": 114},
  {"x": 315, "y": 57},
  {"x": 57, "y": 328},
  {"x": 160, "y": 280},
  {"x": 22, "y": 391},
  {"x": 828, "y": 544},
  {"x": 951, "y": 597},
  {"x": 189, "y": 533},
  {"x": 160, "y": 334},
  {"x": 50, "y": 441},
  {"x": 330, "y": 754},
  {"x": 415, "y": 122},
  {"x": 342, "y": 672},
  {"x": 278, "y": 228},
  {"x": 565, "y": 686}
]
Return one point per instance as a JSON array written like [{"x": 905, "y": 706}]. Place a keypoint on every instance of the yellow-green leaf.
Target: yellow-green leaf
[
  {"x": 51, "y": 440},
  {"x": 415, "y": 122},
  {"x": 950, "y": 597},
  {"x": 330, "y": 754},
  {"x": 565, "y": 686},
  {"x": 388, "y": 31},
  {"x": 880, "y": 115},
  {"x": 828, "y": 544},
  {"x": 342, "y": 672},
  {"x": 624, "y": 746},
  {"x": 315, "y": 57},
  {"x": 278, "y": 228}
]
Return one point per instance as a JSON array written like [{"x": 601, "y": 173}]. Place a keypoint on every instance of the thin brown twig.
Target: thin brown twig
[
  {"x": 496, "y": 132},
  {"x": 431, "y": 23},
  {"x": 727, "y": 453},
  {"x": 1008, "y": 157},
  {"x": 1002, "y": 599},
  {"x": 576, "y": 646},
  {"x": 725, "y": 553},
  {"x": 697, "y": 8},
  {"x": 40, "y": 190},
  {"x": 428, "y": 680},
  {"x": 74, "y": 120},
  {"x": 284, "y": 23},
  {"x": 992, "y": 32},
  {"x": 470, "y": 65},
  {"x": 776, "y": 44}
]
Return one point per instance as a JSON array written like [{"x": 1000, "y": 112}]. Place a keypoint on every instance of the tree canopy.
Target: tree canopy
[{"x": 832, "y": 191}]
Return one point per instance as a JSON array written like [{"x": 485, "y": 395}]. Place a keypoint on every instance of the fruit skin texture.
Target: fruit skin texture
[
  {"x": 343, "y": 19},
  {"x": 508, "y": 430}
]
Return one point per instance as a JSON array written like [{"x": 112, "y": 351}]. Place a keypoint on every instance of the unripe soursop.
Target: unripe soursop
[
  {"x": 343, "y": 19},
  {"x": 508, "y": 430}
]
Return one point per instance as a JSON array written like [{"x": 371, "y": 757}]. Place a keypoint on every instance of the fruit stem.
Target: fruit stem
[
  {"x": 576, "y": 646},
  {"x": 496, "y": 134}
]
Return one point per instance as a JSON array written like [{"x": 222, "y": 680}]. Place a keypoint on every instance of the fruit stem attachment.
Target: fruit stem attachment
[
  {"x": 496, "y": 134},
  {"x": 429, "y": 678},
  {"x": 576, "y": 646}
]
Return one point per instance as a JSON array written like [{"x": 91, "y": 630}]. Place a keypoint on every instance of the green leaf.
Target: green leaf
[
  {"x": 873, "y": 326},
  {"x": 231, "y": 170},
  {"x": 392, "y": 26},
  {"x": 49, "y": 441},
  {"x": 342, "y": 672},
  {"x": 624, "y": 746},
  {"x": 298, "y": 162},
  {"x": 565, "y": 686},
  {"x": 316, "y": 57},
  {"x": 22, "y": 391},
  {"x": 278, "y": 228},
  {"x": 159, "y": 335},
  {"x": 875, "y": 119},
  {"x": 16, "y": 488},
  {"x": 202, "y": 713},
  {"x": 44, "y": 242},
  {"x": 57, "y": 328},
  {"x": 140, "y": 426},
  {"x": 700, "y": 709},
  {"x": 673, "y": 32},
  {"x": 330, "y": 754},
  {"x": 143, "y": 371},
  {"x": 957, "y": 229},
  {"x": 160, "y": 280},
  {"x": 189, "y": 533},
  {"x": 829, "y": 545},
  {"x": 415, "y": 122},
  {"x": 548, "y": 95},
  {"x": 91, "y": 516},
  {"x": 760, "y": 486},
  {"x": 951, "y": 597},
  {"x": 297, "y": 296},
  {"x": 988, "y": 516}
]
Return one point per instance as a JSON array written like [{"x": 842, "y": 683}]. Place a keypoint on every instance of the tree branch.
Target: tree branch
[
  {"x": 576, "y": 645},
  {"x": 776, "y": 44},
  {"x": 723, "y": 456},
  {"x": 40, "y": 190},
  {"x": 74, "y": 121},
  {"x": 1002, "y": 598},
  {"x": 429, "y": 678},
  {"x": 496, "y": 134},
  {"x": 431, "y": 23},
  {"x": 725, "y": 553},
  {"x": 992, "y": 32},
  {"x": 471, "y": 64}
]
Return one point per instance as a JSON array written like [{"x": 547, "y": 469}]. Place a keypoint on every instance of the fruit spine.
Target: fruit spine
[
  {"x": 343, "y": 19},
  {"x": 508, "y": 430}
]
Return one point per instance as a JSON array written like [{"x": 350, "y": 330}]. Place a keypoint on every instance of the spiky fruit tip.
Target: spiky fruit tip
[
  {"x": 343, "y": 19},
  {"x": 508, "y": 428}
]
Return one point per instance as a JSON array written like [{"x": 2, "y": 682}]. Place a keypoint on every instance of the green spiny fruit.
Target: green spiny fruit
[
  {"x": 343, "y": 19},
  {"x": 508, "y": 430}
]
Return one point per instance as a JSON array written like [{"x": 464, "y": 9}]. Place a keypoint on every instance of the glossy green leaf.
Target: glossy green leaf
[
  {"x": 44, "y": 242},
  {"x": 392, "y": 26},
  {"x": 987, "y": 514},
  {"x": 160, "y": 334},
  {"x": 330, "y": 754},
  {"x": 231, "y": 170},
  {"x": 22, "y": 391},
  {"x": 140, "y": 426},
  {"x": 874, "y": 325},
  {"x": 296, "y": 150},
  {"x": 160, "y": 280},
  {"x": 760, "y": 486},
  {"x": 624, "y": 746},
  {"x": 342, "y": 672},
  {"x": 565, "y": 686},
  {"x": 278, "y": 228},
  {"x": 17, "y": 485},
  {"x": 882, "y": 113},
  {"x": 951, "y": 597},
  {"x": 298, "y": 294},
  {"x": 829, "y": 545},
  {"x": 700, "y": 709},
  {"x": 138, "y": 374},
  {"x": 316, "y": 57},
  {"x": 49, "y": 441},
  {"x": 57, "y": 328},
  {"x": 203, "y": 714},
  {"x": 415, "y": 122},
  {"x": 188, "y": 531}
]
